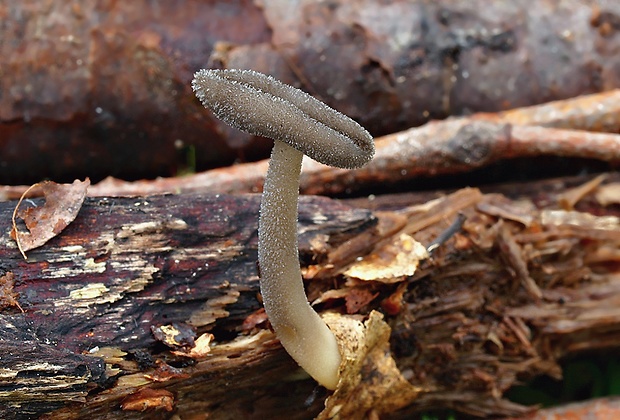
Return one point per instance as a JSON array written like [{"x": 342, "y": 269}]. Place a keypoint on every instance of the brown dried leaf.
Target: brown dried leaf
[
  {"x": 355, "y": 298},
  {"x": 8, "y": 297},
  {"x": 331, "y": 294},
  {"x": 62, "y": 204}
]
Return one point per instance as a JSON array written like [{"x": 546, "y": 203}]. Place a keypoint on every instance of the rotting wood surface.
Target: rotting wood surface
[
  {"x": 103, "y": 88},
  {"x": 522, "y": 284},
  {"x": 125, "y": 268}
]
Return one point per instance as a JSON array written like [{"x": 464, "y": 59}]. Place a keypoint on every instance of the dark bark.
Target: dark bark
[
  {"x": 124, "y": 268},
  {"x": 465, "y": 326}
]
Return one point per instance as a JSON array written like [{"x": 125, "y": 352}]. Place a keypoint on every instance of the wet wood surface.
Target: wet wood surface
[
  {"x": 128, "y": 266},
  {"x": 114, "y": 305}
]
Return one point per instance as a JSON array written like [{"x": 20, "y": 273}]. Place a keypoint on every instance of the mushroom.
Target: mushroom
[{"x": 260, "y": 105}]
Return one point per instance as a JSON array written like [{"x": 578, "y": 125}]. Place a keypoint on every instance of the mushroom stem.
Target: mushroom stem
[
  {"x": 302, "y": 332},
  {"x": 260, "y": 105}
]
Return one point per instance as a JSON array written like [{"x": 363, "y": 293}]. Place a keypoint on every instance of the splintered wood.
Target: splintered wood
[
  {"x": 518, "y": 283},
  {"x": 518, "y": 288}
]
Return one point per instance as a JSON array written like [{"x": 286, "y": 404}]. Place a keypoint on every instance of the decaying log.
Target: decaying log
[
  {"x": 117, "y": 309},
  {"x": 124, "y": 269},
  {"x": 585, "y": 127},
  {"x": 111, "y": 80}
]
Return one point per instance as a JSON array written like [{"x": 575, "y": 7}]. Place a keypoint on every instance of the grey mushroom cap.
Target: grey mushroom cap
[
  {"x": 300, "y": 124},
  {"x": 261, "y": 105}
]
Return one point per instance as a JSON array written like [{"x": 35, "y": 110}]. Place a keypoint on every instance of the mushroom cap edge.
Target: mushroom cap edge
[{"x": 261, "y": 105}]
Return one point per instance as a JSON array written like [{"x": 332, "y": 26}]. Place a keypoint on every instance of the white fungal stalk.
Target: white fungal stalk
[
  {"x": 301, "y": 331},
  {"x": 260, "y": 105}
]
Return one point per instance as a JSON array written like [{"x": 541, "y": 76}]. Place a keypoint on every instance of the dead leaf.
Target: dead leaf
[
  {"x": 355, "y": 297},
  {"x": 62, "y": 204},
  {"x": 8, "y": 297}
]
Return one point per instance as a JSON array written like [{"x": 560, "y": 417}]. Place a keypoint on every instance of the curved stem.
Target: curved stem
[{"x": 304, "y": 335}]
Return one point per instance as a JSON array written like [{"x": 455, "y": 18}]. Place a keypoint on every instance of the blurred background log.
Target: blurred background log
[
  {"x": 581, "y": 131},
  {"x": 102, "y": 88}
]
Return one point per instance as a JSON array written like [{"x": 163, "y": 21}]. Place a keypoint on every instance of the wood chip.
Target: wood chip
[{"x": 149, "y": 399}]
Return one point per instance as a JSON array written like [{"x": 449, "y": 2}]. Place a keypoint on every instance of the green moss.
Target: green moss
[{"x": 585, "y": 377}]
